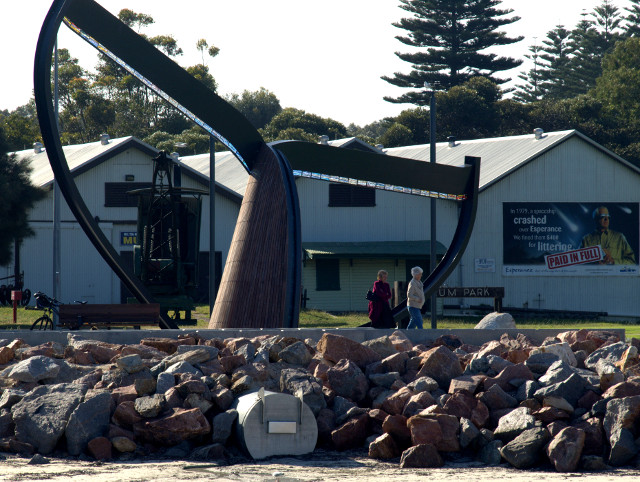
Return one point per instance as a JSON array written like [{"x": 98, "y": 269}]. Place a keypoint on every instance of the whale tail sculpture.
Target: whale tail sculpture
[{"x": 260, "y": 286}]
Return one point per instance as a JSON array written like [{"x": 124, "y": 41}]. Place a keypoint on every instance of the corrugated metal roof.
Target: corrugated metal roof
[
  {"x": 370, "y": 249},
  {"x": 229, "y": 171},
  {"x": 77, "y": 156},
  {"x": 83, "y": 156},
  {"x": 499, "y": 156}
]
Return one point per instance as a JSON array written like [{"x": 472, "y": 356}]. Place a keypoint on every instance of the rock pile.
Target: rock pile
[{"x": 572, "y": 402}]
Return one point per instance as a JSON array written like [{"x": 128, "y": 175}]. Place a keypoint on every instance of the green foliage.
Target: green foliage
[
  {"x": 18, "y": 197},
  {"x": 195, "y": 141},
  {"x": 468, "y": 111},
  {"x": 397, "y": 135},
  {"x": 259, "y": 107},
  {"x": 450, "y": 39},
  {"x": 296, "y": 122},
  {"x": 20, "y": 128}
]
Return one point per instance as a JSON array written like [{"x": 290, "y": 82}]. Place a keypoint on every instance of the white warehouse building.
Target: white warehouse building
[{"x": 537, "y": 196}]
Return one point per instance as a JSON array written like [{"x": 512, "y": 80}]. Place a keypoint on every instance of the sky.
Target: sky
[{"x": 323, "y": 57}]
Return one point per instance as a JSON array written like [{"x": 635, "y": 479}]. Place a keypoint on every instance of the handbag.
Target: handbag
[{"x": 371, "y": 296}]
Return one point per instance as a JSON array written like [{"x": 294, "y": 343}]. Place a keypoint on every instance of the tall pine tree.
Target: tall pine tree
[
  {"x": 632, "y": 20},
  {"x": 452, "y": 37}
]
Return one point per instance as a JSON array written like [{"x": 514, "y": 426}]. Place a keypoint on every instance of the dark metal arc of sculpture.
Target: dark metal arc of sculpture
[
  {"x": 261, "y": 281},
  {"x": 459, "y": 242}
]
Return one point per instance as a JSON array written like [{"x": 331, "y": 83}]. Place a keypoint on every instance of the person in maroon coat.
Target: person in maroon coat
[{"x": 379, "y": 310}]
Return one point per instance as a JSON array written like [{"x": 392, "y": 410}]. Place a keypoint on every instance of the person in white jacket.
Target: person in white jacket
[{"x": 415, "y": 298}]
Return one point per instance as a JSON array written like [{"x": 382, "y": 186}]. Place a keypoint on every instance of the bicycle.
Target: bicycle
[{"x": 49, "y": 306}]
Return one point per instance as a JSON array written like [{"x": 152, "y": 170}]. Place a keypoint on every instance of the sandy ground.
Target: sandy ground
[{"x": 322, "y": 466}]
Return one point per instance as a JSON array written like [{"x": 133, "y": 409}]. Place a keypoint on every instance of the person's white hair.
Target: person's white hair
[{"x": 416, "y": 270}]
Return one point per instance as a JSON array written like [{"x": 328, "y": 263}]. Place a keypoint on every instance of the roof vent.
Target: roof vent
[
  {"x": 324, "y": 140},
  {"x": 104, "y": 139},
  {"x": 37, "y": 147},
  {"x": 537, "y": 132},
  {"x": 452, "y": 141}
]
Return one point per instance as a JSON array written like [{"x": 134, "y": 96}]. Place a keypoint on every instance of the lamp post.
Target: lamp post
[{"x": 432, "y": 159}]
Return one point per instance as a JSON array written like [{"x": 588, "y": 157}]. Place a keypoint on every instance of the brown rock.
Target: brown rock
[
  {"x": 125, "y": 414},
  {"x": 384, "y": 447},
  {"x": 347, "y": 380},
  {"x": 588, "y": 399},
  {"x": 400, "y": 341},
  {"x": 335, "y": 348},
  {"x": 554, "y": 428},
  {"x": 588, "y": 346},
  {"x": 234, "y": 343},
  {"x": 166, "y": 345},
  {"x": 143, "y": 351},
  {"x": 623, "y": 389},
  {"x": 421, "y": 456},
  {"x": 6, "y": 355},
  {"x": 424, "y": 430},
  {"x": 629, "y": 358},
  {"x": 124, "y": 394},
  {"x": 550, "y": 414},
  {"x": 417, "y": 403},
  {"x": 395, "y": 363},
  {"x": 443, "y": 435},
  {"x": 594, "y": 436},
  {"x": 396, "y": 426},
  {"x": 573, "y": 336},
  {"x": 173, "y": 398},
  {"x": 16, "y": 343},
  {"x": 10, "y": 444},
  {"x": 321, "y": 371},
  {"x": 517, "y": 356},
  {"x": 565, "y": 449},
  {"x": 351, "y": 434},
  {"x": 468, "y": 383},
  {"x": 493, "y": 347},
  {"x": 440, "y": 364},
  {"x": 512, "y": 372},
  {"x": 232, "y": 362},
  {"x": 173, "y": 428},
  {"x": 460, "y": 404},
  {"x": 394, "y": 404},
  {"x": 100, "y": 448}
]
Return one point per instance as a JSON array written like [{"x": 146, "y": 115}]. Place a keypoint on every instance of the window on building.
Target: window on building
[
  {"x": 348, "y": 195},
  {"x": 115, "y": 194},
  {"x": 327, "y": 274}
]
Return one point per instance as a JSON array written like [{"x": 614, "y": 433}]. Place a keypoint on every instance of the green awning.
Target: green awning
[{"x": 371, "y": 249}]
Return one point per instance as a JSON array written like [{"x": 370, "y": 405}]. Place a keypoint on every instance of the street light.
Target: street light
[{"x": 432, "y": 159}]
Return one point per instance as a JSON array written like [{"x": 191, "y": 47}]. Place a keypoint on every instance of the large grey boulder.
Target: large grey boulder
[
  {"x": 496, "y": 321},
  {"x": 513, "y": 424},
  {"x": 41, "y": 416},
  {"x": 89, "y": 420},
  {"x": 524, "y": 450},
  {"x": 570, "y": 389},
  {"x": 296, "y": 354},
  {"x": 611, "y": 353},
  {"x": 222, "y": 425},
  {"x": 292, "y": 380},
  {"x": 32, "y": 369}
]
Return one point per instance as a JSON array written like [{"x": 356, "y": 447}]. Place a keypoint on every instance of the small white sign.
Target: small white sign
[{"x": 485, "y": 265}]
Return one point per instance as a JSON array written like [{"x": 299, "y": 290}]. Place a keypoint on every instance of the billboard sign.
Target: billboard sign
[{"x": 534, "y": 233}]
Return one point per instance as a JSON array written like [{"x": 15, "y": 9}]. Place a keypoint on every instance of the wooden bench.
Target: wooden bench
[{"x": 74, "y": 316}]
